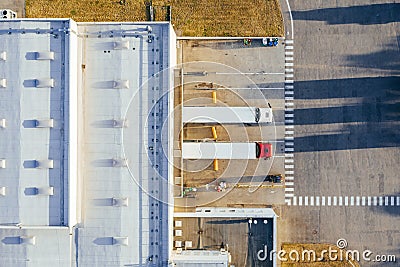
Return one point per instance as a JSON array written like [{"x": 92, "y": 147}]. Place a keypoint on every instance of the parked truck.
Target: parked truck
[
  {"x": 226, "y": 115},
  {"x": 220, "y": 150}
]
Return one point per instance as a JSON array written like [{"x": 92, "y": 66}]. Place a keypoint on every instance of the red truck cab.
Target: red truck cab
[{"x": 263, "y": 150}]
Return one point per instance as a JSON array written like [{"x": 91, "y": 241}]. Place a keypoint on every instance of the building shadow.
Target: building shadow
[{"x": 363, "y": 14}]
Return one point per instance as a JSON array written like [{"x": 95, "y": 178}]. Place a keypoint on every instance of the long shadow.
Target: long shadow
[
  {"x": 370, "y": 120},
  {"x": 387, "y": 59},
  {"x": 363, "y": 15}
]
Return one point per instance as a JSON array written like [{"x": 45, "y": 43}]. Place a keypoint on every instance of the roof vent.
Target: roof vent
[
  {"x": 119, "y": 162},
  {"x": 48, "y": 55},
  {"x": 45, "y": 191},
  {"x": 42, "y": 83},
  {"x": 27, "y": 240},
  {"x": 120, "y": 202},
  {"x": 3, "y": 55},
  {"x": 121, "y": 45},
  {"x": 2, "y": 123},
  {"x": 49, "y": 123},
  {"x": 121, "y": 241},
  {"x": 44, "y": 164},
  {"x": 2, "y": 163},
  {"x": 121, "y": 84},
  {"x": 2, "y": 191},
  {"x": 120, "y": 123},
  {"x": 3, "y": 83}
]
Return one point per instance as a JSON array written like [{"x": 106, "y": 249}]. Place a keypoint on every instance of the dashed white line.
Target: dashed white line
[{"x": 289, "y": 47}]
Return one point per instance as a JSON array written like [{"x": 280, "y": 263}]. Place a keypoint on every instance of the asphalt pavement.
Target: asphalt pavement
[{"x": 347, "y": 117}]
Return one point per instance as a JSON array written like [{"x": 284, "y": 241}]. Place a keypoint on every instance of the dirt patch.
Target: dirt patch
[
  {"x": 321, "y": 259},
  {"x": 190, "y": 17}
]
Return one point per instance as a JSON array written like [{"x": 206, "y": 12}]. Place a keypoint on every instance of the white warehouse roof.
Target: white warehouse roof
[{"x": 83, "y": 167}]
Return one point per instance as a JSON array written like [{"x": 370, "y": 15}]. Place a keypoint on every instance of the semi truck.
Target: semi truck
[
  {"x": 221, "y": 150},
  {"x": 226, "y": 115}
]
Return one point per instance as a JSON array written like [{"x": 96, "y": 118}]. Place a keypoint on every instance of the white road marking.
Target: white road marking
[
  {"x": 322, "y": 201},
  {"x": 289, "y": 143},
  {"x": 351, "y": 201},
  {"x": 317, "y": 201},
  {"x": 288, "y": 58},
  {"x": 357, "y": 201},
  {"x": 289, "y": 41},
  {"x": 248, "y": 73},
  {"x": 300, "y": 201},
  {"x": 289, "y": 81},
  {"x": 289, "y": 189},
  {"x": 289, "y": 104},
  {"x": 289, "y": 121},
  {"x": 289, "y": 93},
  {"x": 289, "y": 86},
  {"x": 289, "y": 172},
  {"x": 363, "y": 201},
  {"x": 346, "y": 201},
  {"x": 289, "y": 160},
  {"x": 294, "y": 201},
  {"x": 289, "y": 178},
  {"x": 289, "y": 166},
  {"x": 289, "y": 138},
  {"x": 289, "y": 155},
  {"x": 289, "y": 109},
  {"x": 312, "y": 201},
  {"x": 334, "y": 201},
  {"x": 380, "y": 201},
  {"x": 289, "y": 183},
  {"x": 289, "y": 47},
  {"x": 288, "y": 64},
  {"x": 288, "y": 70},
  {"x": 289, "y": 132}
]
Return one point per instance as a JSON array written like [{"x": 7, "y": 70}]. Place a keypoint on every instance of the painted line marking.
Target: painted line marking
[
  {"x": 323, "y": 201},
  {"x": 290, "y": 155},
  {"x": 317, "y": 201},
  {"x": 288, "y": 70},
  {"x": 312, "y": 201},
  {"x": 289, "y": 53},
  {"x": 369, "y": 201},
  {"x": 289, "y": 144},
  {"x": 289, "y": 81},
  {"x": 289, "y": 138},
  {"x": 288, "y": 202},
  {"x": 289, "y": 132},
  {"x": 289, "y": 86},
  {"x": 289, "y": 183},
  {"x": 289, "y": 41},
  {"x": 289, "y": 98},
  {"x": 289, "y": 189},
  {"x": 289, "y": 47},
  {"x": 289, "y": 178},
  {"x": 289, "y": 109},
  {"x": 375, "y": 201},
  {"x": 289, "y": 93},
  {"x": 289, "y": 126},
  {"x": 340, "y": 201},
  {"x": 357, "y": 201},
  {"x": 289, "y": 172},
  {"x": 288, "y": 64},
  {"x": 289, "y": 121},
  {"x": 300, "y": 201},
  {"x": 289, "y": 104},
  {"x": 380, "y": 201},
  {"x": 363, "y": 201},
  {"x": 248, "y": 73},
  {"x": 288, "y": 58}
]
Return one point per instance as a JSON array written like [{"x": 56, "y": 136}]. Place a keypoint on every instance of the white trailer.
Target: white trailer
[
  {"x": 225, "y": 115},
  {"x": 219, "y": 150}
]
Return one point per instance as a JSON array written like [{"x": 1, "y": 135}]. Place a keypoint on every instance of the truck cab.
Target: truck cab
[{"x": 263, "y": 150}]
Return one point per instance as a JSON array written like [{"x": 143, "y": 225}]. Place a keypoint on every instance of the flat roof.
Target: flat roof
[
  {"x": 34, "y": 89},
  {"x": 101, "y": 83},
  {"x": 119, "y": 65}
]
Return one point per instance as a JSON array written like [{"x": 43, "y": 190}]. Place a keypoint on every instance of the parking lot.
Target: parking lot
[{"x": 239, "y": 75}]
